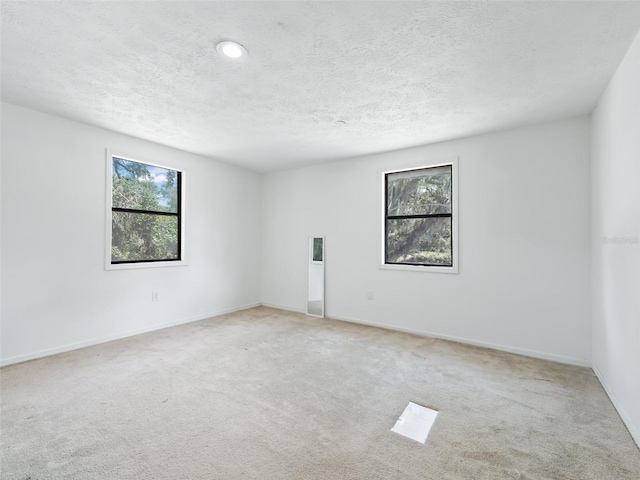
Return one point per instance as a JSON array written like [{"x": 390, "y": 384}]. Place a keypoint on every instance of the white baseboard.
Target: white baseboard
[
  {"x": 286, "y": 309},
  {"x": 626, "y": 419},
  {"x": 503, "y": 348},
  {"x": 95, "y": 341}
]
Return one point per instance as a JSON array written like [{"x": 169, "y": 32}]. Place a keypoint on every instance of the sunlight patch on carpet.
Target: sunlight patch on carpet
[{"x": 415, "y": 422}]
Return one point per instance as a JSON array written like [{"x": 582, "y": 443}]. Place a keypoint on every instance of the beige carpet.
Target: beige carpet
[{"x": 266, "y": 394}]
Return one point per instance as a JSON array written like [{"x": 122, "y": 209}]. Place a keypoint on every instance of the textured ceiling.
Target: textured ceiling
[{"x": 323, "y": 80}]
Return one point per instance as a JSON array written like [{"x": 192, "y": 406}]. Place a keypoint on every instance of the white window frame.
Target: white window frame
[
  {"x": 382, "y": 265},
  {"x": 108, "y": 219}
]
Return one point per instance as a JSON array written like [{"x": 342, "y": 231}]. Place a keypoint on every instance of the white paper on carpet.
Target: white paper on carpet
[{"x": 415, "y": 422}]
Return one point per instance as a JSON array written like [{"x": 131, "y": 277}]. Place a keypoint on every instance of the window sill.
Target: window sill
[
  {"x": 130, "y": 266},
  {"x": 419, "y": 268}
]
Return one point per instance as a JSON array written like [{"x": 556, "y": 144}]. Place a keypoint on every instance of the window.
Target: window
[
  {"x": 419, "y": 213},
  {"x": 318, "y": 253},
  {"x": 146, "y": 213}
]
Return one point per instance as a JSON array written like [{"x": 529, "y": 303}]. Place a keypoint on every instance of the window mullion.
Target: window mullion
[
  {"x": 149, "y": 212},
  {"x": 426, "y": 215}
]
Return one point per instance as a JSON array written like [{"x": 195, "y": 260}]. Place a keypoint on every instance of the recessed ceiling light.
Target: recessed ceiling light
[{"x": 231, "y": 49}]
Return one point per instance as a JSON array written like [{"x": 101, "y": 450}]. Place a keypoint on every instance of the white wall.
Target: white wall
[
  {"x": 56, "y": 294},
  {"x": 616, "y": 213},
  {"x": 524, "y": 223}
]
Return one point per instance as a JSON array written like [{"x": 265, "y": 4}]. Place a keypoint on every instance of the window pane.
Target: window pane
[
  {"x": 317, "y": 249},
  {"x": 419, "y": 241},
  {"x": 144, "y": 187},
  {"x": 141, "y": 236},
  {"x": 419, "y": 192}
]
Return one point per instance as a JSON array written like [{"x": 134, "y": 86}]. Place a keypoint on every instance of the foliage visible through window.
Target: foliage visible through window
[
  {"x": 146, "y": 222},
  {"x": 317, "y": 249},
  {"x": 418, "y": 217}
]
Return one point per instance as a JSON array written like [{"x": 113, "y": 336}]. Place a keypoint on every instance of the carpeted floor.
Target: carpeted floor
[{"x": 267, "y": 394}]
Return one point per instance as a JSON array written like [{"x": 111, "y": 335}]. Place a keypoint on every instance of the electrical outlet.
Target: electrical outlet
[
  {"x": 370, "y": 295},
  {"x": 154, "y": 297}
]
